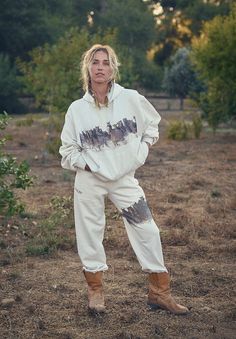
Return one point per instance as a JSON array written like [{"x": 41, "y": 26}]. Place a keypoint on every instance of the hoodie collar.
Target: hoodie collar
[{"x": 113, "y": 93}]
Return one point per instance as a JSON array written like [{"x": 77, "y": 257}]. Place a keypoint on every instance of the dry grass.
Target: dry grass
[{"x": 190, "y": 188}]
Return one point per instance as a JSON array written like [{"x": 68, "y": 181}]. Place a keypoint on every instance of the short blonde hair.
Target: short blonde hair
[{"x": 88, "y": 57}]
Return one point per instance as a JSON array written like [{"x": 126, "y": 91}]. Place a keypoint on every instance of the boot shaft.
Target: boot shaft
[
  {"x": 95, "y": 291},
  {"x": 94, "y": 280},
  {"x": 159, "y": 283}
]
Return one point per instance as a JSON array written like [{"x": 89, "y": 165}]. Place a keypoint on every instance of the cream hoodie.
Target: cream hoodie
[{"x": 111, "y": 140}]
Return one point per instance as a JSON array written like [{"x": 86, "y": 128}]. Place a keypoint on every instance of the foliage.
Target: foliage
[
  {"x": 27, "y": 24},
  {"x": 135, "y": 26},
  {"x": 9, "y": 86},
  {"x": 179, "y": 20},
  {"x": 53, "y": 74},
  {"x": 52, "y": 233},
  {"x": 28, "y": 121},
  {"x": 182, "y": 129},
  {"x": 180, "y": 78},
  {"x": 13, "y": 176},
  {"x": 178, "y": 130},
  {"x": 214, "y": 55},
  {"x": 133, "y": 21},
  {"x": 197, "y": 126},
  {"x": 151, "y": 76}
]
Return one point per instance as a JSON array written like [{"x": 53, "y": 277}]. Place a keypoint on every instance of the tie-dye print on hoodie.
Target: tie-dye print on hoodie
[{"x": 111, "y": 140}]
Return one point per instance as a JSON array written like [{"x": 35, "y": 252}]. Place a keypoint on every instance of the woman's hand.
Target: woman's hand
[{"x": 87, "y": 168}]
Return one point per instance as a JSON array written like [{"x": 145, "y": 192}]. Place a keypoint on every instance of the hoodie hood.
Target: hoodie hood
[{"x": 113, "y": 93}]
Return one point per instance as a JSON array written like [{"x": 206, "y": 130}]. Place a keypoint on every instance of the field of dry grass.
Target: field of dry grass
[{"x": 190, "y": 187}]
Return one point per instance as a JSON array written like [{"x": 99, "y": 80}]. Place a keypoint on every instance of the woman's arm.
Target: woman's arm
[
  {"x": 70, "y": 150},
  {"x": 151, "y": 120}
]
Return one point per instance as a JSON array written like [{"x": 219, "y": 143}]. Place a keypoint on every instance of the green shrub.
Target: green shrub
[
  {"x": 13, "y": 176},
  {"x": 197, "y": 126},
  {"x": 52, "y": 233},
  {"x": 54, "y": 126},
  {"x": 178, "y": 130},
  {"x": 46, "y": 245},
  {"x": 62, "y": 208},
  {"x": 28, "y": 121},
  {"x": 182, "y": 130}
]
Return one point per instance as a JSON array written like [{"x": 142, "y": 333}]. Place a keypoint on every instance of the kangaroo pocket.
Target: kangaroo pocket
[{"x": 113, "y": 163}]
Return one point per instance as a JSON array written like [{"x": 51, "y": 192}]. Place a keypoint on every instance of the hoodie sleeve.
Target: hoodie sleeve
[
  {"x": 151, "y": 120},
  {"x": 70, "y": 150}
]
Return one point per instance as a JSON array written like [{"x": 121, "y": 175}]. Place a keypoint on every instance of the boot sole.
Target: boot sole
[
  {"x": 96, "y": 313},
  {"x": 155, "y": 307}
]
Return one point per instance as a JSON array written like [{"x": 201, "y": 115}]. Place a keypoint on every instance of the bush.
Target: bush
[
  {"x": 52, "y": 232},
  {"x": 182, "y": 130},
  {"x": 54, "y": 126},
  {"x": 13, "y": 176},
  {"x": 178, "y": 130},
  {"x": 197, "y": 126},
  {"x": 28, "y": 121}
]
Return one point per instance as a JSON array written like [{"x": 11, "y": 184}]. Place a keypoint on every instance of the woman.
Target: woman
[{"x": 105, "y": 138}]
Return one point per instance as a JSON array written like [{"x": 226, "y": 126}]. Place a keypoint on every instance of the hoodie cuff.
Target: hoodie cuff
[
  {"x": 150, "y": 140},
  {"x": 79, "y": 163}
]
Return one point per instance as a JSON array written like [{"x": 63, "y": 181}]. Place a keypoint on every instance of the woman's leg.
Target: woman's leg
[
  {"x": 89, "y": 195},
  {"x": 144, "y": 237},
  {"x": 142, "y": 230},
  {"x": 89, "y": 213}
]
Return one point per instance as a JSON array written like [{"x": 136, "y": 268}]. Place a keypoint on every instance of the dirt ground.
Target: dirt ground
[{"x": 190, "y": 187}]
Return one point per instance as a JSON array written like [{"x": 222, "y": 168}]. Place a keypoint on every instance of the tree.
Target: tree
[
  {"x": 9, "y": 86},
  {"x": 214, "y": 54},
  {"x": 53, "y": 74},
  {"x": 27, "y": 24},
  {"x": 133, "y": 21},
  {"x": 179, "y": 20},
  {"x": 135, "y": 26},
  {"x": 180, "y": 78}
]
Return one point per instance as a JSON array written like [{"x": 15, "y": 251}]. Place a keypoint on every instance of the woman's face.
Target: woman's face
[{"x": 100, "y": 70}]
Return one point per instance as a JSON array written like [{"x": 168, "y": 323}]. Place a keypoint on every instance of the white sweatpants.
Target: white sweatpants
[{"x": 129, "y": 198}]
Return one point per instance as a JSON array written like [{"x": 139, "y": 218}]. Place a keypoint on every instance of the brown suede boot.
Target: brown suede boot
[
  {"x": 95, "y": 291},
  {"x": 159, "y": 294}
]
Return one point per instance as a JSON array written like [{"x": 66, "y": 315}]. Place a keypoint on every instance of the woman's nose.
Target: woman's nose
[{"x": 100, "y": 66}]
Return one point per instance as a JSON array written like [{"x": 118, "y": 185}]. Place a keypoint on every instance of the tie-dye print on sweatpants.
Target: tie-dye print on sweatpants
[{"x": 129, "y": 198}]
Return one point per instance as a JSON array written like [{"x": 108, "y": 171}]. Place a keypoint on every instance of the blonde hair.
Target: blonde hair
[{"x": 87, "y": 59}]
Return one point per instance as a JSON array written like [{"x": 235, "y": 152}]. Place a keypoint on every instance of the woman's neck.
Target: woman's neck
[{"x": 100, "y": 91}]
